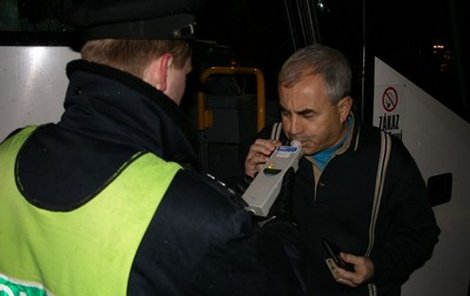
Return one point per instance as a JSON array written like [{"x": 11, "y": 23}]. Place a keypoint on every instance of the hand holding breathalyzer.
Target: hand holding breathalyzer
[
  {"x": 258, "y": 154},
  {"x": 263, "y": 191}
]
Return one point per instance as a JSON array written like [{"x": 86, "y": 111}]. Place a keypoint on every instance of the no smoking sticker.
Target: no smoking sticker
[{"x": 390, "y": 99}]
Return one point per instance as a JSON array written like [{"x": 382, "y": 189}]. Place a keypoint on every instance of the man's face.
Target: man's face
[
  {"x": 177, "y": 82},
  {"x": 309, "y": 116}
]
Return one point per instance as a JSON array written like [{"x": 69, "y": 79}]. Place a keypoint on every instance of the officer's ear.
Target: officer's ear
[
  {"x": 156, "y": 72},
  {"x": 344, "y": 107}
]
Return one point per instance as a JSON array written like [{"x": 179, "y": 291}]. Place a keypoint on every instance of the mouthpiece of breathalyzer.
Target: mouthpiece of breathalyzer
[
  {"x": 265, "y": 188},
  {"x": 296, "y": 143}
]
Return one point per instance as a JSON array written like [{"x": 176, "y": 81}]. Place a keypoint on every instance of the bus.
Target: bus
[{"x": 411, "y": 78}]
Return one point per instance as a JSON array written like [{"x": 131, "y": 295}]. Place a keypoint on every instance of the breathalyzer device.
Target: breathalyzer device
[{"x": 266, "y": 185}]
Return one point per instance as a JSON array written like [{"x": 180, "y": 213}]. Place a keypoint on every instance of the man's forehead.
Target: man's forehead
[
  {"x": 303, "y": 103},
  {"x": 295, "y": 104}
]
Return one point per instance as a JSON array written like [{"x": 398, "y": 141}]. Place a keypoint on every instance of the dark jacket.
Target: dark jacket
[
  {"x": 339, "y": 208},
  {"x": 201, "y": 241}
]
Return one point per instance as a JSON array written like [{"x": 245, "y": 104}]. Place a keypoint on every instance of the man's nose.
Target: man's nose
[{"x": 294, "y": 126}]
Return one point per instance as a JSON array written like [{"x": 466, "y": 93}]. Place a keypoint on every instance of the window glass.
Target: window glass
[
  {"x": 34, "y": 22},
  {"x": 425, "y": 41}
]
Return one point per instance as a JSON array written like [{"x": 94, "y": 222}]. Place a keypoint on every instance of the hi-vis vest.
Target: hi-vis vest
[{"x": 86, "y": 251}]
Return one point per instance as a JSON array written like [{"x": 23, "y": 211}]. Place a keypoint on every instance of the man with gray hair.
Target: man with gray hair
[{"x": 364, "y": 219}]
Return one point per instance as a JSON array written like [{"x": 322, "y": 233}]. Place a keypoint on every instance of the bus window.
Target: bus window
[
  {"x": 425, "y": 41},
  {"x": 34, "y": 22}
]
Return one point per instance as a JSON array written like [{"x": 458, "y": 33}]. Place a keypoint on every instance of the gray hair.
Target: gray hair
[{"x": 315, "y": 59}]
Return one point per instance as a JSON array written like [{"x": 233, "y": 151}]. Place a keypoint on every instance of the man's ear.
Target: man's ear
[
  {"x": 344, "y": 107},
  {"x": 156, "y": 73}
]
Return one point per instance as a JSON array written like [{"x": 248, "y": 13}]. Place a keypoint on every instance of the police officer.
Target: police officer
[{"x": 106, "y": 201}]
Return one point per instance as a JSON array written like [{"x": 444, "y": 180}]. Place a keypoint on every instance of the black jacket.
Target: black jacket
[
  {"x": 201, "y": 241},
  {"x": 339, "y": 208}
]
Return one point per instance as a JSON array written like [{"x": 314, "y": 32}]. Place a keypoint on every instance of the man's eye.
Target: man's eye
[{"x": 308, "y": 115}]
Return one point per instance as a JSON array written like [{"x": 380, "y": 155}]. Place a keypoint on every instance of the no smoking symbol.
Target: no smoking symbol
[{"x": 390, "y": 99}]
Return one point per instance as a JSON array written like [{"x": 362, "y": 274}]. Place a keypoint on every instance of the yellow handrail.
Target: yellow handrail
[{"x": 205, "y": 117}]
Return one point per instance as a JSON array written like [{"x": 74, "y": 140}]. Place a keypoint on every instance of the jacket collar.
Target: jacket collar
[
  {"x": 356, "y": 134},
  {"x": 116, "y": 106}
]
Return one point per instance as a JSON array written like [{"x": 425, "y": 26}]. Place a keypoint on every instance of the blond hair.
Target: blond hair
[{"x": 133, "y": 56}]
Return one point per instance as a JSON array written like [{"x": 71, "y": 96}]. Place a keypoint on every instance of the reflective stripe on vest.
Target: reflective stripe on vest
[{"x": 87, "y": 251}]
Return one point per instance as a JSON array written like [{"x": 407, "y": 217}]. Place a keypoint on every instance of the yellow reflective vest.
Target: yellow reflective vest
[{"x": 88, "y": 250}]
